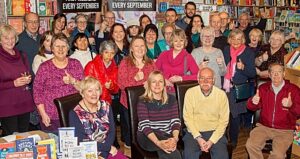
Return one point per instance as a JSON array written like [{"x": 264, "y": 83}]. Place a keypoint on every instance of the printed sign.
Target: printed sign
[
  {"x": 69, "y": 6},
  {"x": 132, "y": 5}
]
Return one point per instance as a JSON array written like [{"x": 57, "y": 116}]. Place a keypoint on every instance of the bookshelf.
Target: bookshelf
[{"x": 16, "y": 9}]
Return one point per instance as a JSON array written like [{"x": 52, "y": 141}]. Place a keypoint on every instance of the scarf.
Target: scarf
[{"x": 230, "y": 71}]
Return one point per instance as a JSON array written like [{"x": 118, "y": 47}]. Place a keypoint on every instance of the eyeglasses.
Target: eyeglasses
[
  {"x": 61, "y": 47},
  {"x": 110, "y": 18},
  {"x": 209, "y": 79},
  {"x": 32, "y": 22},
  {"x": 82, "y": 22},
  {"x": 207, "y": 36}
]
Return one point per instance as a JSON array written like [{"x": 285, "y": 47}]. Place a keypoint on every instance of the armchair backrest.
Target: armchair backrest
[
  {"x": 64, "y": 105},
  {"x": 181, "y": 88}
]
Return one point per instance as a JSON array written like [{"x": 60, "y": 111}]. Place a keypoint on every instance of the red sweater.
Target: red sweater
[
  {"x": 273, "y": 114},
  {"x": 97, "y": 69}
]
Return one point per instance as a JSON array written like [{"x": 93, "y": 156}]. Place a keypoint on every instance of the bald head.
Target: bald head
[{"x": 206, "y": 79}]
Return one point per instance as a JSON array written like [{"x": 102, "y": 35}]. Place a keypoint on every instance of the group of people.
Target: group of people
[{"x": 36, "y": 69}]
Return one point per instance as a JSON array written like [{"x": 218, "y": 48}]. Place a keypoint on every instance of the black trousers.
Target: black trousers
[{"x": 17, "y": 123}]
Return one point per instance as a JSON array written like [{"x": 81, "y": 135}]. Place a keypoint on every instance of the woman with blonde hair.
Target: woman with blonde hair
[
  {"x": 16, "y": 98},
  {"x": 177, "y": 64},
  {"x": 240, "y": 69},
  {"x": 255, "y": 44},
  {"x": 273, "y": 52},
  {"x": 138, "y": 67},
  {"x": 159, "y": 123},
  {"x": 93, "y": 119}
]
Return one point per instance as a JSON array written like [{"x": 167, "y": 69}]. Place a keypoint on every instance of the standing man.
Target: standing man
[
  {"x": 170, "y": 17},
  {"x": 220, "y": 40},
  {"x": 279, "y": 102},
  {"x": 29, "y": 39},
  {"x": 103, "y": 32},
  {"x": 244, "y": 20},
  {"x": 206, "y": 118},
  {"x": 190, "y": 11},
  {"x": 226, "y": 26}
]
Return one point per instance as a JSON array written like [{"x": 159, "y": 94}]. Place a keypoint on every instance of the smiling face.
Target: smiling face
[
  {"x": 118, "y": 34},
  {"x": 215, "y": 22},
  {"x": 81, "y": 24},
  {"x": 255, "y": 38},
  {"x": 206, "y": 80},
  {"x": 157, "y": 84},
  {"x": 244, "y": 21},
  {"x": 91, "y": 94},
  {"x": 171, "y": 17},
  {"x": 8, "y": 41},
  {"x": 60, "y": 24},
  {"x": 150, "y": 37},
  {"x": 47, "y": 42},
  {"x": 82, "y": 44},
  {"x": 276, "y": 41},
  {"x": 224, "y": 19},
  {"x": 276, "y": 73},
  {"x": 138, "y": 48},
  {"x": 236, "y": 41},
  {"x": 145, "y": 21},
  {"x": 32, "y": 23},
  {"x": 60, "y": 49},
  {"x": 178, "y": 43},
  {"x": 190, "y": 11},
  {"x": 207, "y": 38},
  {"x": 196, "y": 22},
  {"x": 134, "y": 30}
]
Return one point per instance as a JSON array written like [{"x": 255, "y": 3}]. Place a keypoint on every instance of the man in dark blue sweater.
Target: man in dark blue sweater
[{"x": 29, "y": 39}]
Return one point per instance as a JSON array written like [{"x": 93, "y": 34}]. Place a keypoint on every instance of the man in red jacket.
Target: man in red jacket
[{"x": 279, "y": 106}]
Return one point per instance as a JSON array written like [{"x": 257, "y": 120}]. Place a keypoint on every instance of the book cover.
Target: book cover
[
  {"x": 49, "y": 7},
  {"x": 42, "y": 151},
  {"x": 65, "y": 133},
  {"x": 67, "y": 143},
  {"x": 42, "y": 8},
  {"x": 24, "y": 145},
  {"x": 76, "y": 152},
  {"x": 270, "y": 24},
  {"x": 20, "y": 155},
  {"x": 18, "y": 7},
  {"x": 16, "y": 23},
  {"x": 90, "y": 149},
  {"x": 9, "y": 7},
  {"x": 27, "y": 6},
  {"x": 52, "y": 144},
  {"x": 6, "y": 148},
  {"x": 292, "y": 59}
]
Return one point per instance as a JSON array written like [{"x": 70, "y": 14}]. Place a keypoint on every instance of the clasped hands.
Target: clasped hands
[
  {"x": 204, "y": 145},
  {"x": 168, "y": 145}
]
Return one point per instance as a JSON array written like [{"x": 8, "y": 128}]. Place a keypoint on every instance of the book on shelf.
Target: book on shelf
[
  {"x": 293, "y": 59},
  {"x": 90, "y": 149},
  {"x": 52, "y": 144},
  {"x": 45, "y": 24},
  {"x": 24, "y": 145},
  {"x": 269, "y": 24},
  {"x": 20, "y": 155},
  {"x": 16, "y": 23},
  {"x": 283, "y": 16},
  {"x": 6, "y": 148},
  {"x": 18, "y": 7},
  {"x": 42, "y": 151}
]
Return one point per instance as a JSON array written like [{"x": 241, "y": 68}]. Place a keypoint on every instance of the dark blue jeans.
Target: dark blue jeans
[
  {"x": 125, "y": 127},
  {"x": 192, "y": 149},
  {"x": 234, "y": 129}
]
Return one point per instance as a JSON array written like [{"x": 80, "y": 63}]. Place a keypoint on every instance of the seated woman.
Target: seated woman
[
  {"x": 93, "y": 119},
  {"x": 159, "y": 122}
]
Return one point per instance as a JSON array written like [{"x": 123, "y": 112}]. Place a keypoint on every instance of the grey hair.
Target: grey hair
[
  {"x": 108, "y": 45},
  {"x": 209, "y": 30},
  {"x": 79, "y": 16},
  {"x": 206, "y": 68}
]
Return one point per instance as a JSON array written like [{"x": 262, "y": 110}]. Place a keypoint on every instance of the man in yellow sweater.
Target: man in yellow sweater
[{"x": 206, "y": 115}]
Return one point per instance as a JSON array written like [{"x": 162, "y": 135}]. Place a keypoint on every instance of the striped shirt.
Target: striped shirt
[{"x": 157, "y": 117}]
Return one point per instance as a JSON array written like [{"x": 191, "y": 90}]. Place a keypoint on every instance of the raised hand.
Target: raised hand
[
  {"x": 256, "y": 98},
  {"x": 265, "y": 56},
  {"x": 240, "y": 65},
  {"x": 107, "y": 84},
  {"x": 287, "y": 102},
  {"x": 219, "y": 60},
  {"x": 68, "y": 79}
]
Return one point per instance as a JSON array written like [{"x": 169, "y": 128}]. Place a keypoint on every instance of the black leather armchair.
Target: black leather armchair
[
  {"x": 64, "y": 105},
  {"x": 181, "y": 88},
  {"x": 133, "y": 94}
]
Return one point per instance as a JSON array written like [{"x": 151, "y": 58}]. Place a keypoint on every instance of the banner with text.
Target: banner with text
[
  {"x": 69, "y": 6},
  {"x": 132, "y": 5}
]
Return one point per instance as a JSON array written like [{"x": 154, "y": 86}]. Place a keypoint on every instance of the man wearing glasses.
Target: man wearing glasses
[
  {"x": 103, "y": 33},
  {"x": 206, "y": 115},
  {"x": 29, "y": 39}
]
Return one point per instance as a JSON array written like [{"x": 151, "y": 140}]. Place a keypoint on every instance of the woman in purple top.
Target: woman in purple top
[
  {"x": 177, "y": 64},
  {"x": 55, "y": 78},
  {"x": 16, "y": 100}
]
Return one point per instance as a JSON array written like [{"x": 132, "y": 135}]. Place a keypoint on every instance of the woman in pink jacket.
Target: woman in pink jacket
[{"x": 177, "y": 64}]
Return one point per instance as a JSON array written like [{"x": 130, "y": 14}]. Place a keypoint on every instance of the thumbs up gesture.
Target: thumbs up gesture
[
  {"x": 287, "y": 102},
  {"x": 256, "y": 98},
  {"x": 107, "y": 84},
  {"x": 219, "y": 60},
  {"x": 240, "y": 65},
  {"x": 68, "y": 79}
]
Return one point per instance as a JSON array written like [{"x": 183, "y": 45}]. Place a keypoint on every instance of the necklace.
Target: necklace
[{"x": 87, "y": 107}]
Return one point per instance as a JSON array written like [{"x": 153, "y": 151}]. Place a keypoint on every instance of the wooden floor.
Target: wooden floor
[{"x": 238, "y": 153}]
